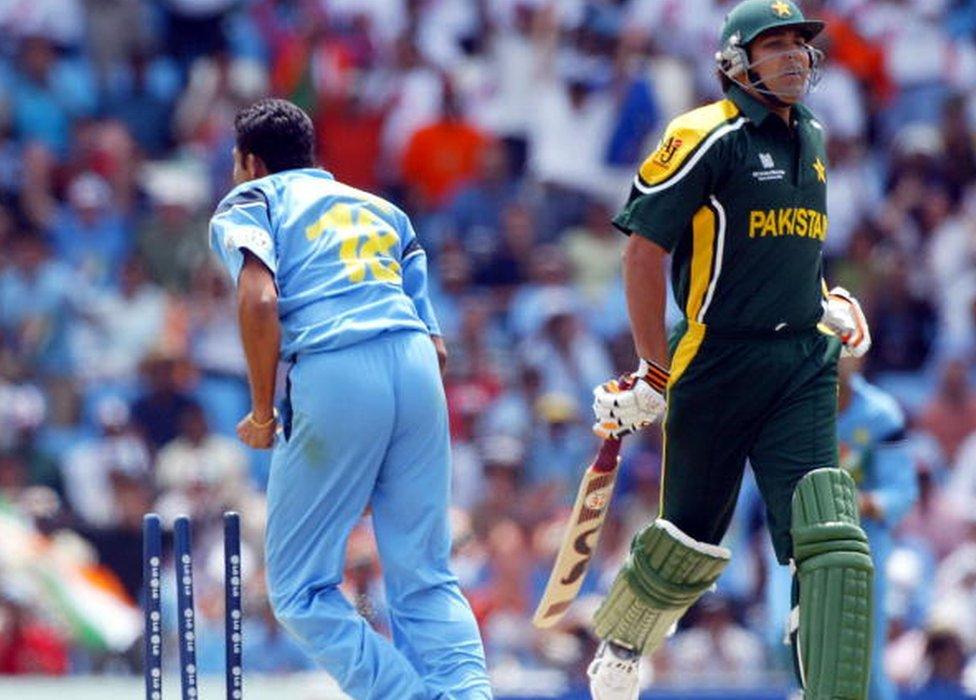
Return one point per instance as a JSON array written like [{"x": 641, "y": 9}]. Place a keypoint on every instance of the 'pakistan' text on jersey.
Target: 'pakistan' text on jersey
[
  {"x": 347, "y": 263},
  {"x": 739, "y": 199}
]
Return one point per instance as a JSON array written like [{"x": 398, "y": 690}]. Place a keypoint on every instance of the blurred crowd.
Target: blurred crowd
[{"x": 509, "y": 130}]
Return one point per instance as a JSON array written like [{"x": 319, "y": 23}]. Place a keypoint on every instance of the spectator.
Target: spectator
[
  {"x": 945, "y": 658},
  {"x": 951, "y": 415},
  {"x": 169, "y": 238},
  {"x": 735, "y": 654},
  {"x": 140, "y": 93},
  {"x": 203, "y": 472},
  {"x": 35, "y": 306},
  {"x": 119, "y": 327},
  {"x": 441, "y": 156},
  {"x": 46, "y": 95},
  {"x": 475, "y": 213},
  {"x": 903, "y": 323},
  {"x": 90, "y": 235},
  {"x": 594, "y": 249},
  {"x": 28, "y": 645},
  {"x": 156, "y": 411},
  {"x": 92, "y": 468}
]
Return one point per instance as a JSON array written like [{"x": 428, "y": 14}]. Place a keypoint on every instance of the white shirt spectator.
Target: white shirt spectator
[
  {"x": 217, "y": 463},
  {"x": 559, "y": 155},
  {"x": 854, "y": 195},
  {"x": 838, "y": 103},
  {"x": 117, "y": 332},
  {"x": 87, "y": 471}
]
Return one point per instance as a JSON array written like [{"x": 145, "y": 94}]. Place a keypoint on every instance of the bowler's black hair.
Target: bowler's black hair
[{"x": 278, "y": 132}]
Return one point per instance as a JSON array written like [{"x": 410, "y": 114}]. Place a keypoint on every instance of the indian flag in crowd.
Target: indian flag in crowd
[{"x": 59, "y": 576}]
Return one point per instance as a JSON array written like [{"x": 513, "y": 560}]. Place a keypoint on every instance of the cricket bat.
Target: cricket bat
[{"x": 581, "y": 536}]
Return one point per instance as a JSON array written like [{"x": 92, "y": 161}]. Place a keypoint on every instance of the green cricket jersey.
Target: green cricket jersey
[{"x": 739, "y": 200}]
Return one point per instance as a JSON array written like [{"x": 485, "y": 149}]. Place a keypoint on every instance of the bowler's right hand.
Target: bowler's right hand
[{"x": 258, "y": 434}]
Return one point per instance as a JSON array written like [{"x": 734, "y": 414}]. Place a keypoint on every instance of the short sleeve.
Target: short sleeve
[
  {"x": 414, "y": 262},
  {"x": 243, "y": 222},
  {"x": 671, "y": 185}
]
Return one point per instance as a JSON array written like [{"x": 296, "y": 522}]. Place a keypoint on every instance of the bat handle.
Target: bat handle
[{"x": 609, "y": 455}]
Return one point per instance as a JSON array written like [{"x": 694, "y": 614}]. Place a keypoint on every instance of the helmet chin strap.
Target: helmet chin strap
[{"x": 755, "y": 83}]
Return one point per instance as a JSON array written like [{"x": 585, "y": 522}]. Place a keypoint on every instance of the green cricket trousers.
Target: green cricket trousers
[{"x": 768, "y": 398}]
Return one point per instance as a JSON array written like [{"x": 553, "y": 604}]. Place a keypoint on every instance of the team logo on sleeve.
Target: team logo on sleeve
[
  {"x": 250, "y": 237},
  {"x": 667, "y": 150}
]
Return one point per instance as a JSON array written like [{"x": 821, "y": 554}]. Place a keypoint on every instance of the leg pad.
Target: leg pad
[
  {"x": 666, "y": 572},
  {"x": 832, "y": 643}
]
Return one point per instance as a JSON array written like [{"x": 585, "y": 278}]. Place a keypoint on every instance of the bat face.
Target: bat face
[
  {"x": 581, "y": 536},
  {"x": 581, "y": 547}
]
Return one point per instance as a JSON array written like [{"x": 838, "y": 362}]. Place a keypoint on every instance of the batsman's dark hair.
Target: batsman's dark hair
[{"x": 278, "y": 132}]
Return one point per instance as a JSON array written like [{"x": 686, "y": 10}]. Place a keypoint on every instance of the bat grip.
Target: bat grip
[{"x": 608, "y": 456}]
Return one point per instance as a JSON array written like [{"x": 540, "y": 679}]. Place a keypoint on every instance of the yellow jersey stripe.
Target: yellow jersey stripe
[
  {"x": 702, "y": 252},
  {"x": 686, "y": 350},
  {"x": 719, "y": 248},
  {"x": 703, "y": 228}
]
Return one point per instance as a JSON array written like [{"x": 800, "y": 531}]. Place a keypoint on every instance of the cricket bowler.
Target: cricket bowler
[
  {"x": 333, "y": 280},
  {"x": 736, "y": 195}
]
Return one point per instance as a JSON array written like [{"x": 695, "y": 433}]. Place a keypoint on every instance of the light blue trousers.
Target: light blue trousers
[{"x": 369, "y": 427}]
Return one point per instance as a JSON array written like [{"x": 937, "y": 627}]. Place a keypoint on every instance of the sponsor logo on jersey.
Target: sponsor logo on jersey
[
  {"x": 667, "y": 150},
  {"x": 769, "y": 171}
]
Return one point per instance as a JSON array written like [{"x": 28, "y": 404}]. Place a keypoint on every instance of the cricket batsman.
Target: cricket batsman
[
  {"x": 334, "y": 281},
  {"x": 736, "y": 194}
]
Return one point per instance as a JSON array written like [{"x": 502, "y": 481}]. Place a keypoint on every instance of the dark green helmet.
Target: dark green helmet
[{"x": 750, "y": 18}]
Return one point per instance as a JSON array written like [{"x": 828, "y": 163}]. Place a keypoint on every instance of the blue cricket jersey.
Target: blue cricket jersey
[{"x": 347, "y": 263}]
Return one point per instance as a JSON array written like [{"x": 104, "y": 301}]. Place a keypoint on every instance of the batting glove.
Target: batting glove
[
  {"x": 628, "y": 404},
  {"x": 843, "y": 315}
]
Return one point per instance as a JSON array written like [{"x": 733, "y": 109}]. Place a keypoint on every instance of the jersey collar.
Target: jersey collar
[{"x": 754, "y": 110}]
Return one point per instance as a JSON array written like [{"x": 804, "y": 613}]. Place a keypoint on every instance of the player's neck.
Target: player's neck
[{"x": 782, "y": 112}]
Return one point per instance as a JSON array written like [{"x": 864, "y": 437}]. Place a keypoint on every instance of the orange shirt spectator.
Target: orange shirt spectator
[
  {"x": 862, "y": 57},
  {"x": 440, "y": 157}
]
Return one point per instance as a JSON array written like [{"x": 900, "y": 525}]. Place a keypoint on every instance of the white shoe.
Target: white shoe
[{"x": 614, "y": 673}]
